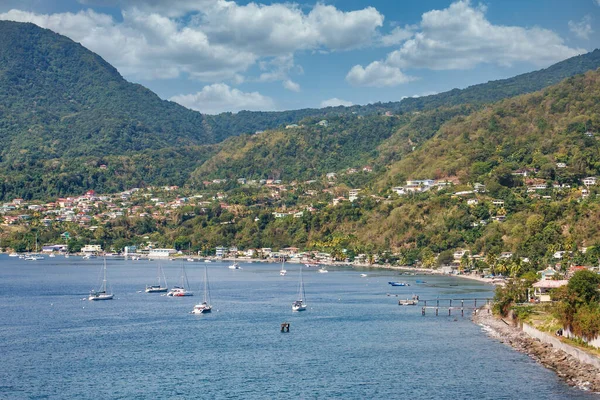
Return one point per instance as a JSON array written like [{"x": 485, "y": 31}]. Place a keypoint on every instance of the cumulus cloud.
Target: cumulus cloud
[
  {"x": 398, "y": 35},
  {"x": 291, "y": 85},
  {"x": 583, "y": 28},
  {"x": 461, "y": 37},
  {"x": 219, "y": 97},
  {"x": 377, "y": 74},
  {"x": 334, "y": 102},
  {"x": 210, "y": 40}
]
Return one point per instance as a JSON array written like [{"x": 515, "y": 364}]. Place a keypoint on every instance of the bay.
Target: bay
[{"x": 353, "y": 342}]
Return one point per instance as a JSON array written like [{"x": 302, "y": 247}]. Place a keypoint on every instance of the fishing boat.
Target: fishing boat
[
  {"x": 101, "y": 294},
  {"x": 204, "y": 307},
  {"x": 300, "y": 305},
  {"x": 283, "y": 271},
  {"x": 158, "y": 288},
  {"x": 399, "y": 284},
  {"x": 181, "y": 291}
]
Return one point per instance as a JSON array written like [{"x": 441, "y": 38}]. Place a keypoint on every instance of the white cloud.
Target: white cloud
[
  {"x": 377, "y": 74},
  {"x": 291, "y": 85},
  {"x": 211, "y": 40},
  {"x": 398, "y": 35},
  {"x": 334, "y": 102},
  {"x": 219, "y": 97},
  {"x": 583, "y": 28},
  {"x": 460, "y": 37}
]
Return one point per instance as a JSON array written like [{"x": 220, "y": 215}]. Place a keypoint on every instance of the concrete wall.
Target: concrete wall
[{"x": 573, "y": 351}]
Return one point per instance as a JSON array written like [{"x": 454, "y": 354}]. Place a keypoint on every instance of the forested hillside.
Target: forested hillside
[{"x": 64, "y": 112}]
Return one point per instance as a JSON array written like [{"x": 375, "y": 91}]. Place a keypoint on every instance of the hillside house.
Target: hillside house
[{"x": 589, "y": 181}]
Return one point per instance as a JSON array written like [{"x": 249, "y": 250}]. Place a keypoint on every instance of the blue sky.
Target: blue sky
[{"x": 222, "y": 55}]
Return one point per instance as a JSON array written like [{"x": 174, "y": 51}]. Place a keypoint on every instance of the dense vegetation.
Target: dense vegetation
[{"x": 62, "y": 108}]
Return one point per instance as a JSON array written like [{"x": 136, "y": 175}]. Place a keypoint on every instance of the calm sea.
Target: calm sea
[{"x": 353, "y": 342}]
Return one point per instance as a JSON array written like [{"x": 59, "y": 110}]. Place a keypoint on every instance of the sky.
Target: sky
[{"x": 219, "y": 55}]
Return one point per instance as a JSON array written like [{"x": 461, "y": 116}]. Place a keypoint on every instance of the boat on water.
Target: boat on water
[
  {"x": 283, "y": 271},
  {"x": 51, "y": 255},
  {"x": 409, "y": 302},
  {"x": 89, "y": 256},
  {"x": 33, "y": 257},
  {"x": 191, "y": 259},
  {"x": 66, "y": 255},
  {"x": 420, "y": 281},
  {"x": 207, "y": 261},
  {"x": 13, "y": 255},
  {"x": 299, "y": 304},
  {"x": 204, "y": 307},
  {"x": 181, "y": 291},
  {"x": 363, "y": 275},
  {"x": 103, "y": 293},
  {"x": 312, "y": 265},
  {"x": 323, "y": 270},
  {"x": 158, "y": 288},
  {"x": 235, "y": 265},
  {"x": 399, "y": 284}
]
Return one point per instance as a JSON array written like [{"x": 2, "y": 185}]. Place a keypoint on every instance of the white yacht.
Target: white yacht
[
  {"x": 181, "y": 290},
  {"x": 158, "y": 288},
  {"x": 101, "y": 294},
  {"x": 204, "y": 307},
  {"x": 299, "y": 305}
]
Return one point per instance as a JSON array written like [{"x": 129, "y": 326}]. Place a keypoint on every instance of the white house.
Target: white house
[
  {"x": 589, "y": 181},
  {"x": 158, "y": 253},
  {"x": 91, "y": 248},
  {"x": 353, "y": 194}
]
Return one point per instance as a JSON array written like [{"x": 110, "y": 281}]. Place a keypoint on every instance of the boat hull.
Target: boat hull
[
  {"x": 100, "y": 297},
  {"x": 157, "y": 290},
  {"x": 202, "y": 310}
]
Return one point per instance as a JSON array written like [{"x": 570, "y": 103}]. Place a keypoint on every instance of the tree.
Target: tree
[
  {"x": 445, "y": 257},
  {"x": 584, "y": 286}
]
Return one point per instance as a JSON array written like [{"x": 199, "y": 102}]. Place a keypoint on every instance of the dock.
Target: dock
[{"x": 454, "y": 305}]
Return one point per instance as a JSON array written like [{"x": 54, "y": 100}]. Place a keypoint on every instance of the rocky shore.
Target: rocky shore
[{"x": 567, "y": 367}]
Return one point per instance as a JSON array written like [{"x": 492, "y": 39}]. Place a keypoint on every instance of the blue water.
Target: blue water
[{"x": 353, "y": 342}]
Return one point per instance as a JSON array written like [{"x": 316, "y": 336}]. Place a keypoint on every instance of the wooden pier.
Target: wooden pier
[{"x": 459, "y": 305}]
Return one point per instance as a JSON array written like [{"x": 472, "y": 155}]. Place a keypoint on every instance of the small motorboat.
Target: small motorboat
[
  {"x": 363, "y": 275},
  {"x": 408, "y": 302},
  {"x": 399, "y": 284}
]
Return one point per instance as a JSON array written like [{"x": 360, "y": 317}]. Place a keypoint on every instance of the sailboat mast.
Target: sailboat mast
[
  {"x": 205, "y": 284},
  {"x": 104, "y": 280}
]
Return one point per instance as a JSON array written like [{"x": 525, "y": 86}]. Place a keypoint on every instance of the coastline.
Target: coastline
[{"x": 568, "y": 368}]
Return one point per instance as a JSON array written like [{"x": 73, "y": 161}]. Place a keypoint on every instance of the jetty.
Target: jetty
[{"x": 460, "y": 304}]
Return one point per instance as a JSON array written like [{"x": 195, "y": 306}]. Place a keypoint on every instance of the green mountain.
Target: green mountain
[
  {"x": 535, "y": 131},
  {"x": 69, "y": 122}
]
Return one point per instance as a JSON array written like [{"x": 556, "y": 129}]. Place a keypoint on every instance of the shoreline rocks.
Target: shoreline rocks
[{"x": 568, "y": 368}]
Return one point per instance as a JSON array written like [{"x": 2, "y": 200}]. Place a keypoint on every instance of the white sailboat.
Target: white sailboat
[
  {"x": 204, "y": 307},
  {"x": 300, "y": 305},
  {"x": 101, "y": 294},
  {"x": 158, "y": 288},
  {"x": 181, "y": 291},
  {"x": 283, "y": 270},
  {"x": 235, "y": 265}
]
